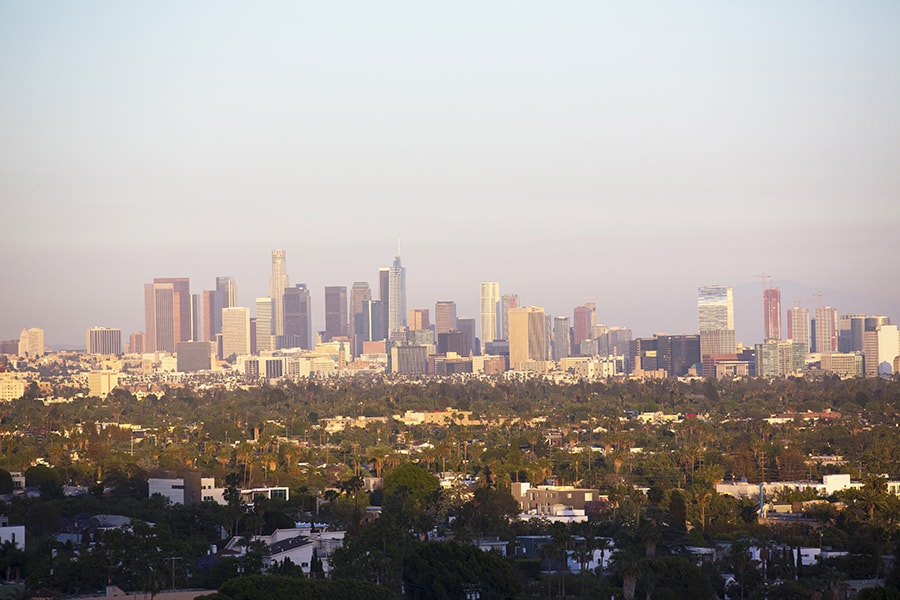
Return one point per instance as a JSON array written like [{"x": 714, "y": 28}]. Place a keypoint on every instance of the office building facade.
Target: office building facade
[
  {"x": 490, "y": 306},
  {"x": 278, "y": 282},
  {"x": 104, "y": 340}
]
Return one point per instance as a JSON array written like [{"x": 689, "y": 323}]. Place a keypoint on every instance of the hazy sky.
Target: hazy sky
[{"x": 622, "y": 152}]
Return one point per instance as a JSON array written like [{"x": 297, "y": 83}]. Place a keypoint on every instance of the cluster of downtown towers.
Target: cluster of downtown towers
[{"x": 284, "y": 320}]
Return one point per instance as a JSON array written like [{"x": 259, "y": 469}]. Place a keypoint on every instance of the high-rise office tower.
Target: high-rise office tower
[
  {"x": 879, "y": 339},
  {"x": 507, "y": 301},
  {"x": 224, "y": 296},
  {"x": 584, "y": 319},
  {"x": 715, "y": 312},
  {"x": 297, "y": 318},
  {"x": 444, "y": 316},
  {"x": 104, "y": 340},
  {"x": 196, "y": 319},
  {"x": 359, "y": 293},
  {"x": 527, "y": 336},
  {"x": 159, "y": 316},
  {"x": 336, "y": 324},
  {"x": 31, "y": 342},
  {"x": 826, "y": 330},
  {"x": 167, "y": 312},
  {"x": 209, "y": 315},
  {"x": 772, "y": 313},
  {"x": 467, "y": 326},
  {"x": 560, "y": 337},
  {"x": 419, "y": 319},
  {"x": 235, "y": 331},
  {"x": 384, "y": 292},
  {"x": 490, "y": 305},
  {"x": 278, "y": 282},
  {"x": 265, "y": 327},
  {"x": 370, "y": 323},
  {"x": 136, "y": 342},
  {"x": 798, "y": 326},
  {"x": 396, "y": 296}
]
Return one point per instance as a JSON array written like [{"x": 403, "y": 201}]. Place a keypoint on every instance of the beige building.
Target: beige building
[
  {"x": 490, "y": 304},
  {"x": 11, "y": 387},
  {"x": 842, "y": 364},
  {"x": 31, "y": 342},
  {"x": 527, "y": 337},
  {"x": 235, "y": 331},
  {"x": 101, "y": 383}
]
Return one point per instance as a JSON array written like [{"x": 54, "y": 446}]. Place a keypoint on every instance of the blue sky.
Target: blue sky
[{"x": 622, "y": 152}]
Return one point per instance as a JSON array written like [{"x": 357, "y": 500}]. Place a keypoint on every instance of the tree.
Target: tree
[
  {"x": 6, "y": 482},
  {"x": 419, "y": 483},
  {"x": 47, "y": 480}
]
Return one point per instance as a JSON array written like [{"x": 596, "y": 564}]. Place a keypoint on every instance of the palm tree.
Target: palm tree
[{"x": 629, "y": 567}]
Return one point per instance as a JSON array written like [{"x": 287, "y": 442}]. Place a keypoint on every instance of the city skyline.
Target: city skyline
[
  {"x": 747, "y": 302},
  {"x": 622, "y": 155}
]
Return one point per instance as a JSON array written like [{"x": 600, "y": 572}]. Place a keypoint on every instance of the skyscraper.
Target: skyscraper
[
  {"x": 359, "y": 293},
  {"x": 396, "y": 296},
  {"x": 826, "y": 330},
  {"x": 167, "y": 313},
  {"x": 507, "y": 301},
  {"x": 467, "y": 326},
  {"x": 297, "y": 318},
  {"x": 798, "y": 326},
  {"x": 278, "y": 282},
  {"x": 715, "y": 313},
  {"x": 31, "y": 342},
  {"x": 224, "y": 296},
  {"x": 772, "y": 313},
  {"x": 336, "y": 324},
  {"x": 490, "y": 304},
  {"x": 104, "y": 340},
  {"x": 136, "y": 342},
  {"x": 444, "y": 316},
  {"x": 159, "y": 317},
  {"x": 560, "y": 337},
  {"x": 527, "y": 336},
  {"x": 584, "y": 320},
  {"x": 265, "y": 328},
  {"x": 419, "y": 319},
  {"x": 384, "y": 292},
  {"x": 209, "y": 315},
  {"x": 235, "y": 331}
]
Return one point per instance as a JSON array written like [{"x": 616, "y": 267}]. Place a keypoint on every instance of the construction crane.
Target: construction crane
[
  {"x": 820, "y": 295},
  {"x": 763, "y": 277}
]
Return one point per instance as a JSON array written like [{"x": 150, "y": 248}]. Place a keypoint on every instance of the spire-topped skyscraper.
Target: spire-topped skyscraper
[{"x": 278, "y": 282}]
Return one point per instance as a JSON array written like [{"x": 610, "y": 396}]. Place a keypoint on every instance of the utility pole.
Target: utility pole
[{"x": 172, "y": 560}]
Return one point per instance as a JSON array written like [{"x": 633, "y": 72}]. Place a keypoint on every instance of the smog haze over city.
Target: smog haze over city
[{"x": 623, "y": 154}]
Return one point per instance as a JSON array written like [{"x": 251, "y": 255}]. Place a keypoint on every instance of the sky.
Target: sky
[{"x": 621, "y": 153}]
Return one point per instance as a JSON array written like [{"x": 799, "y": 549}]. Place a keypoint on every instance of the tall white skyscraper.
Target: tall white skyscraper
[
  {"x": 235, "y": 331},
  {"x": 490, "y": 303},
  {"x": 265, "y": 327},
  {"x": 396, "y": 296},
  {"x": 798, "y": 326},
  {"x": 278, "y": 281}
]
